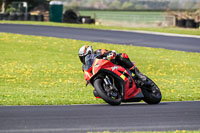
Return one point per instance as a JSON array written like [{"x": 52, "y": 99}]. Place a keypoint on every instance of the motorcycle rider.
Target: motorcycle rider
[{"x": 87, "y": 55}]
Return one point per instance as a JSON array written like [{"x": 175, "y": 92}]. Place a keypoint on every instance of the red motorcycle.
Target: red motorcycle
[{"x": 114, "y": 84}]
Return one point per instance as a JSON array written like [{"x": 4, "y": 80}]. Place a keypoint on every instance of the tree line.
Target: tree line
[
  {"x": 114, "y": 4},
  {"x": 134, "y": 4}
]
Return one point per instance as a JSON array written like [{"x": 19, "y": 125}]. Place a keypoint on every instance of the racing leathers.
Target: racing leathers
[{"x": 121, "y": 59}]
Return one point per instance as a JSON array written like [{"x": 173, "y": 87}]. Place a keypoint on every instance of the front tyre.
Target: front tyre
[
  {"x": 106, "y": 94},
  {"x": 151, "y": 92}
]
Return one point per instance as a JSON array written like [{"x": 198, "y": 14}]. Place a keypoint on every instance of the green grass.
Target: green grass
[
  {"x": 47, "y": 71},
  {"x": 92, "y": 26}
]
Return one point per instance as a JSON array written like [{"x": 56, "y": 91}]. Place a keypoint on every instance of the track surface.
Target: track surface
[
  {"x": 83, "y": 118},
  {"x": 116, "y": 37}
]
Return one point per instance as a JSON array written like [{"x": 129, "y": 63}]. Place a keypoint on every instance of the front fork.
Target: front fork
[
  {"x": 107, "y": 81},
  {"x": 110, "y": 87}
]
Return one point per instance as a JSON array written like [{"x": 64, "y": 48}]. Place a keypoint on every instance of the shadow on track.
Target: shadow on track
[{"x": 132, "y": 104}]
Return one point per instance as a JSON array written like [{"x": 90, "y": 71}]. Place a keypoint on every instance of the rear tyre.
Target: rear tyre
[
  {"x": 151, "y": 92},
  {"x": 99, "y": 85}
]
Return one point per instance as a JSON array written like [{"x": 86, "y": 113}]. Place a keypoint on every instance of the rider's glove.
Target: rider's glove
[{"x": 111, "y": 55}]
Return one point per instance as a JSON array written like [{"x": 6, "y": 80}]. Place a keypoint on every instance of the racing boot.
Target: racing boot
[
  {"x": 124, "y": 61},
  {"x": 138, "y": 74}
]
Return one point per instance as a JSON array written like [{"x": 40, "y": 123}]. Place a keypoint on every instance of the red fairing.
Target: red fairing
[
  {"x": 87, "y": 74},
  {"x": 120, "y": 71},
  {"x": 131, "y": 92},
  {"x": 101, "y": 64}
]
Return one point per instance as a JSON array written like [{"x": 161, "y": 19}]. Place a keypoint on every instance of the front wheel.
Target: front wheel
[
  {"x": 111, "y": 96},
  {"x": 151, "y": 92}
]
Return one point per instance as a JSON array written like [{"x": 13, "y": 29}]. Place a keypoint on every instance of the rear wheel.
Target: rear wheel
[
  {"x": 151, "y": 92},
  {"x": 108, "y": 93}
]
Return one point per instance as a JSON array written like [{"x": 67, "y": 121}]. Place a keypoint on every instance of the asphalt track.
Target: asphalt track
[
  {"x": 189, "y": 44},
  {"x": 85, "y": 118}
]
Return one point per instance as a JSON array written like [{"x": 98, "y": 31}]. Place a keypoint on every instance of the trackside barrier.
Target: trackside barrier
[
  {"x": 21, "y": 17},
  {"x": 187, "y": 23}
]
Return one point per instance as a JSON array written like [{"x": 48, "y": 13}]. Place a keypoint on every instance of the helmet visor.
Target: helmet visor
[{"x": 82, "y": 58}]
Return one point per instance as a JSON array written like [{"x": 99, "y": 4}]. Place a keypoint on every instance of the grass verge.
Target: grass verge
[
  {"x": 92, "y": 26},
  {"x": 47, "y": 71}
]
